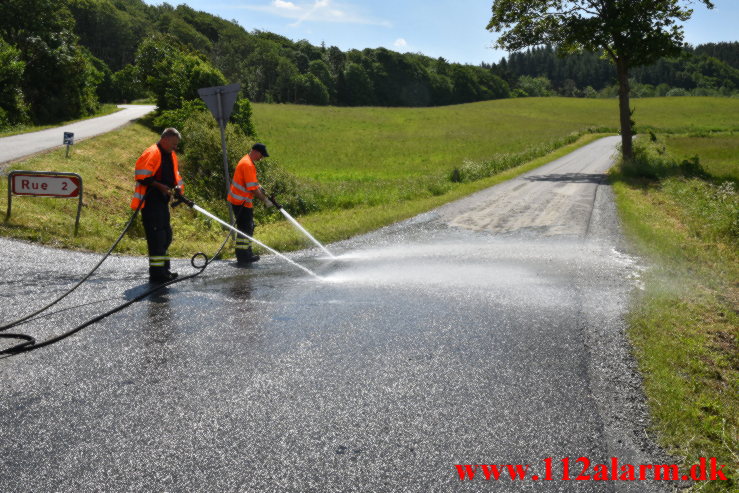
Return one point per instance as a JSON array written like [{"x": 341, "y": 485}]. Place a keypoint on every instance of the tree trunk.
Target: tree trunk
[{"x": 624, "y": 110}]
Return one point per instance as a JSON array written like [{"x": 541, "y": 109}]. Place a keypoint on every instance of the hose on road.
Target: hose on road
[{"x": 29, "y": 343}]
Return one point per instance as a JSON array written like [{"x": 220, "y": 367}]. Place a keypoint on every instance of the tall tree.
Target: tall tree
[
  {"x": 630, "y": 33},
  {"x": 59, "y": 78}
]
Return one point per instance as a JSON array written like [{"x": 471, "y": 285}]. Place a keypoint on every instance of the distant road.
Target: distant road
[{"x": 18, "y": 146}]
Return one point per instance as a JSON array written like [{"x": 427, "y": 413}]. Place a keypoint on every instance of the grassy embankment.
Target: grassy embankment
[
  {"x": 685, "y": 325},
  {"x": 105, "y": 109},
  {"x": 380, "y": 164}
]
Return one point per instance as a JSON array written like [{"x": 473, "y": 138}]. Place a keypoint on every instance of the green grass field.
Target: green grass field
[
  {"x": 372, "y": 165},
  {"x": 685, "y": 326},
  {"x": 336, "y": 144},
  {"x": 718, "y": 153}
]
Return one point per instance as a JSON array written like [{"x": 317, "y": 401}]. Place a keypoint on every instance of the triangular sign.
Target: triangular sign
[{"x": 228, "y": 96}]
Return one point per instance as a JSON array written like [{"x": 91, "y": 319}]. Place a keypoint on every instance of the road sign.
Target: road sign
[
  {"x": 45, "y": 184},
  {"x": 68, "y": 141},
  {"x": 220, "y": 100}
]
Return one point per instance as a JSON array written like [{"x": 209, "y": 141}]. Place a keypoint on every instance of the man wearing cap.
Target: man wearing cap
[{"x": 244, "y": 187}]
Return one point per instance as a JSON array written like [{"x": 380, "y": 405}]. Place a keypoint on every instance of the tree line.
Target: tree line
[
  {"x": 60, "y": 58},
  {"x": 705, "y": 70}
]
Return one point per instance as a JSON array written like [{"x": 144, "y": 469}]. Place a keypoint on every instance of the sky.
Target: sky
[{"x": 452, "y": 29}]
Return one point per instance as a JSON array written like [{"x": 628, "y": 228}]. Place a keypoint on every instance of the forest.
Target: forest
[
  {"x": 711, "y": 69},
  {"x": 62, "y": 64}
]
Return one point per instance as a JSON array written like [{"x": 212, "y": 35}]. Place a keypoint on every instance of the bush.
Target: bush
[
  {"x": 172, "y": 72},
  {"x": 177, "y": 118},
  {"x": 4, "y": 120},
  {"x": 712, "y": 208},
  {"x": 535, "y": 86},
  {"x": 476, "y": 170},
  {"x": 204, "y": 175},
  {"x": 677, "y": 91},
  {"x": 125, "y": 85},
  {"x": 201, "y": 143},
  {"x": 652, "y": 161},
  {"x": 242, "y": 116}
]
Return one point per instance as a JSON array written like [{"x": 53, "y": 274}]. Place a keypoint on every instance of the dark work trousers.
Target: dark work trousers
[
  {"x": 245, "y": 223},
  {"x": 155, "y": 216}
]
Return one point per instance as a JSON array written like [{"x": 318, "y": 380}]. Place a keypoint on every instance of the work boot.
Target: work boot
[
  {"x": 244, "y": 261},
  {"x": 245, "y": 257},
  {"x": 162, "y": 277}
]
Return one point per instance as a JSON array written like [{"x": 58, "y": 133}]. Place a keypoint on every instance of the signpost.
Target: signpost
[
  {"x": 45, "y": 184},
  {"x": 68, "y": 140},
  {"x": 220, "y": 101}
]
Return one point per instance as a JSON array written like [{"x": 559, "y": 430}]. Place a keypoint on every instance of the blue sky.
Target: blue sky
[{"x": 453, "y": 29}]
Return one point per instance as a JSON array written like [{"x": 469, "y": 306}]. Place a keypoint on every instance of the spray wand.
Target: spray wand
[
  {"x": 297, "y": 224},
  {"x": 179, "y": 198}
]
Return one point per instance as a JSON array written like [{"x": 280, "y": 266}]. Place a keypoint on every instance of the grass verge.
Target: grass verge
[
  {"x": 335, "y": 225},
  {"x": 684, "y": 218},
  {"x": 105, "y": 164}
]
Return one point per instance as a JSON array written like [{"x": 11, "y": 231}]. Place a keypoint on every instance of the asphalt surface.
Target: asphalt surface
[
  {"x": 489, "y": 331},
  {"x": 22, "y": 145}
]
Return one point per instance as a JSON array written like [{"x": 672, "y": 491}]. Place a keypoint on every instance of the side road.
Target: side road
[{"x": 22, "y": 145}]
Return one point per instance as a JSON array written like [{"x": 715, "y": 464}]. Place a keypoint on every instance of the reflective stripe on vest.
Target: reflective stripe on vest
[
  {"x": 239, "y": 197},
  {"x": 243, "y": 189},
  {"x": 141, "y": 174},
  {"x": 151, "y": 157}
]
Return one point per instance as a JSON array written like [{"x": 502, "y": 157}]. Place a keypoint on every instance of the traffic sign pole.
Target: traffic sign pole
[
  {"x": 220, "y": 101},
  {"x": 222, "y": 125}
]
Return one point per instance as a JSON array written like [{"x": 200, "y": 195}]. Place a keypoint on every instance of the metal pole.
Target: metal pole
[
  {"x": 10, "y": 195},
  {"x": 226, "y": 174},
  {"x": 79, "y": 210}
]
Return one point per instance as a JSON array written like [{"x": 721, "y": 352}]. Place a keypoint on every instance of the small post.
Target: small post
[
  {"x": 79, "y": 209},
  {"x": 10, "y": 198},
  {"x": 68, "y": 141}
]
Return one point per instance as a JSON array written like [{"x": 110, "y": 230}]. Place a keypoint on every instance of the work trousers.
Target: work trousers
[
  {"x": 155, "y": 216},
  {"x": 245, "y": 223}
]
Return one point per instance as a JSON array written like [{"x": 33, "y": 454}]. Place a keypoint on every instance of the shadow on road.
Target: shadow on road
[{"x": 595, "y": 178}]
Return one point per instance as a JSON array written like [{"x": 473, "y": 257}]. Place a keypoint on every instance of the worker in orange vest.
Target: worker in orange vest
[
  {"x": 244, "y": 187},
  {"x": 157, "y": 176}
]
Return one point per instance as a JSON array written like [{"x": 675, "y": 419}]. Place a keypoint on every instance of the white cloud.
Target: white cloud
[
  {"x": 280, "y": 4},
  {"x": 319, "y": 11},
  {"x": 400, "y": 43}
]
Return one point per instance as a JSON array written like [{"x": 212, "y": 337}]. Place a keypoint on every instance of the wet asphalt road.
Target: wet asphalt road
[
  {"x": 446, "y": 339},
  {"x": 22, "y": 145}
]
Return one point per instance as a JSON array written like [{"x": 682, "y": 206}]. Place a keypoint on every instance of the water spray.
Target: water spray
[
  {"x": 181, "y": 198},
  {"x": 299, "y": 226}
]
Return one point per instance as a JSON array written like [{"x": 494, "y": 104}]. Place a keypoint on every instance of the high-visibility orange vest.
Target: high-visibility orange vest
[
  {"x": 148, "y": 165},
  {"x": 244, "y": 181}
]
